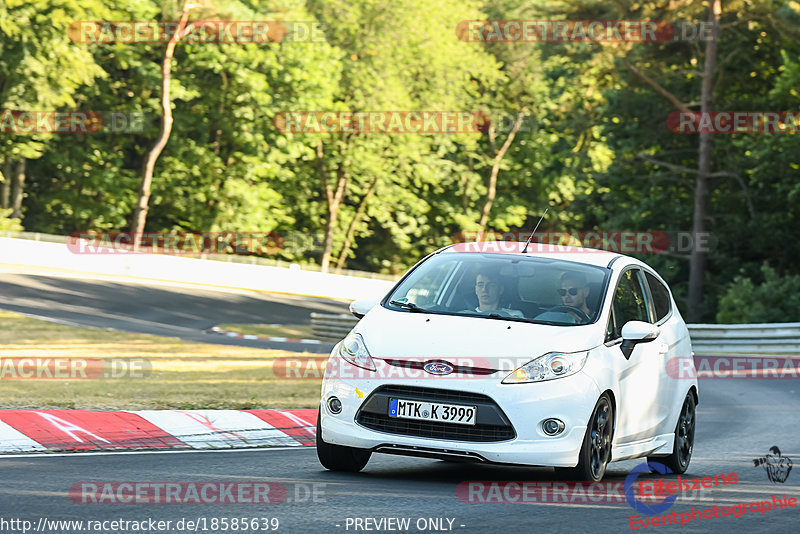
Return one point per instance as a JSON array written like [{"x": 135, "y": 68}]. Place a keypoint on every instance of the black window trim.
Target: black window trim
[
  {"x": 615, "y": 341},
  {"x": 612, "y": 342},
  {"x": 658, "y": 322}
]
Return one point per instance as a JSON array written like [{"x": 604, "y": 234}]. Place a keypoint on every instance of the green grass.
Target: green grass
[
  {"x": 183, "y": 375},
  {"x": 302, "y": 331}
]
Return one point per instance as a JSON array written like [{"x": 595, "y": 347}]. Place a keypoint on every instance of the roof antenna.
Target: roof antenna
[{"x": 534, "y": 230}]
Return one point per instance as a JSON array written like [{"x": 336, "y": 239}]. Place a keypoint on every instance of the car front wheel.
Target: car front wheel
[
  {"x": 596, "y": 449},
  {"x": 678, "y": 461},
  {"x": 340, "y": 457}
]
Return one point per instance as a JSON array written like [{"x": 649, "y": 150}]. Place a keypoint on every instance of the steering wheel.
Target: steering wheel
[{"x": 571, "y": 309}]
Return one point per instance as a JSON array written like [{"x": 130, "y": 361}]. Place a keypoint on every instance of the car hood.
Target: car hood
[{"x": 494, "y": 343}]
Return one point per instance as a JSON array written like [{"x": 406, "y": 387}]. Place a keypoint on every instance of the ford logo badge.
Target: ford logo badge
[{"x": 438, "y": 368}]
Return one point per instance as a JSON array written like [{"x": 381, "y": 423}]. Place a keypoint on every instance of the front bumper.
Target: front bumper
[{"x": 525, "y": 406}]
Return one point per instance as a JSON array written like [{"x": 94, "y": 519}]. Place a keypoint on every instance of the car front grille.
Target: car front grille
[
  {"x": 491, "y": 424},
  {"x": 457, "y": 369}
]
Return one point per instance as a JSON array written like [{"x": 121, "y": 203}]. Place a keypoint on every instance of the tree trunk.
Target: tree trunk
[
  {"x": 5, "y": 195},
  {"x": 498, "y": 158},
  {"x": 351, "y": 230},
  {"x": 18, "y": 189},
  {"x": 333, "y": 201},
  {"x": 143, "y": 202},
  {"x": 697, "y": 260}
]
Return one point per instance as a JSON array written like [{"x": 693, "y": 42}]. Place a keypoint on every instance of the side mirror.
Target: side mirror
[
  {"x": 635, "y": 332},
  {"x": 360, "y": 308}
]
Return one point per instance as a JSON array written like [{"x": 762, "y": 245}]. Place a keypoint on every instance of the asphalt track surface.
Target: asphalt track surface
[
  {"x": 738, "y": 420},
  {"x": 160, "y": 309}
]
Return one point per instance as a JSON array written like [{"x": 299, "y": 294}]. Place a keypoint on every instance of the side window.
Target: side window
[
  {"x": 629, "y": 303},
  {"x": 660, "y": 296}
]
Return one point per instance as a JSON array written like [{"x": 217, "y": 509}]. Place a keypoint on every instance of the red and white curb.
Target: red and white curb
[
  {"x": 85, "y": 430},
  {"x": 217, "y": 330}
]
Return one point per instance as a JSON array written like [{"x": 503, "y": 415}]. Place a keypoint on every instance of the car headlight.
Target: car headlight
[
  {"x": 353, "y": 349},
  {"x": 548, "y": 367}
]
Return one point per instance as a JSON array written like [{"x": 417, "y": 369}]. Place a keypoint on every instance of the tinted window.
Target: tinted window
[
  {"x": 660, "y": 296},
  {"x": 629, "y": 303},
  {"x": 494, "y": 285}
]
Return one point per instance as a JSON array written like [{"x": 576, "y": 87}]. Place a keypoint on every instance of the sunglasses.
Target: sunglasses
[{"x": 572, "y": 291}]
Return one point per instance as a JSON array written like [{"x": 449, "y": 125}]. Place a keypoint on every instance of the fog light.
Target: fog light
[
  {"x": 334, "y": 405},
  {"x": 552, "y": 427}
]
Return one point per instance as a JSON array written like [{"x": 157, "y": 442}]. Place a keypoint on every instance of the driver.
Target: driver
[
  {"x": 489, "y": 289},
  {"x": 574, "y": 291}
]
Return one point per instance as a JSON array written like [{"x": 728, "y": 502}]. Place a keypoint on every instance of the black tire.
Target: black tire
[
  {"x": 596, "y": 449},
  {"x": 678, "y": 461},
  {"x": 339, "y": 457}
]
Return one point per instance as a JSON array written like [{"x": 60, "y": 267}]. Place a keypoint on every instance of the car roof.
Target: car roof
[{"x": 589, "y": 256}]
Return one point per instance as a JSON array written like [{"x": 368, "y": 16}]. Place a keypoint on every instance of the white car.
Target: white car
[{"x": 497, "y": 352}]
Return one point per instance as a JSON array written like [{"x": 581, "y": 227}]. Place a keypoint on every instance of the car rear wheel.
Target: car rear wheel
[
  {"x": 596, "y": 449},
  {"x": 678, "y": 461},
  {"x": 340, "y": 457}
]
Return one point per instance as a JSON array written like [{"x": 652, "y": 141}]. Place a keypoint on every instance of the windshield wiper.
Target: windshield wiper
[
  {"x": 502, "y": 317},
  {"x": 410, "y": 306}
]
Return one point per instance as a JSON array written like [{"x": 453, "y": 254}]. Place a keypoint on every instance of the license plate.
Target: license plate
[{"x": 432, "y": 411}]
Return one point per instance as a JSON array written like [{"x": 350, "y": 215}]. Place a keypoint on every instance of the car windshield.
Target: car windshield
[{"x": 503, "y": 286}]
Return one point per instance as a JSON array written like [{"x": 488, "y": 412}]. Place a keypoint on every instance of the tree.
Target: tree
[
  {"x": 40, "y": 69},
  {"x": 142, "y": 205},
  {"x": 697, "y": 260}
]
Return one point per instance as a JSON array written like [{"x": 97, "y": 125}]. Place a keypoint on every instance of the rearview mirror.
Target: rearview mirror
[
  {"x": 635, "y": 332},
  {"x": 360, "y": 308}
]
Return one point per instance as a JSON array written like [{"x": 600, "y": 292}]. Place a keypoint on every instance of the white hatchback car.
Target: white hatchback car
[{"x": 491, "y": 352}]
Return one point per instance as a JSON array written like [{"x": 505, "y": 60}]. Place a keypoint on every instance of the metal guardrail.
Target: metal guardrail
[
  {"x": 329, "y": 327},
  {"x": 756, "y": 339}
]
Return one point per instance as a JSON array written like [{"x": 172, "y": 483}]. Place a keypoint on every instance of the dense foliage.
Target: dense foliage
[
  {"x": 593, "y": 144},
  {"x": 773, "y": 299}
]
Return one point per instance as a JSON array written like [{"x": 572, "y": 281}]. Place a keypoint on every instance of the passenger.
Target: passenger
[{"x": 489, "y": 289}]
